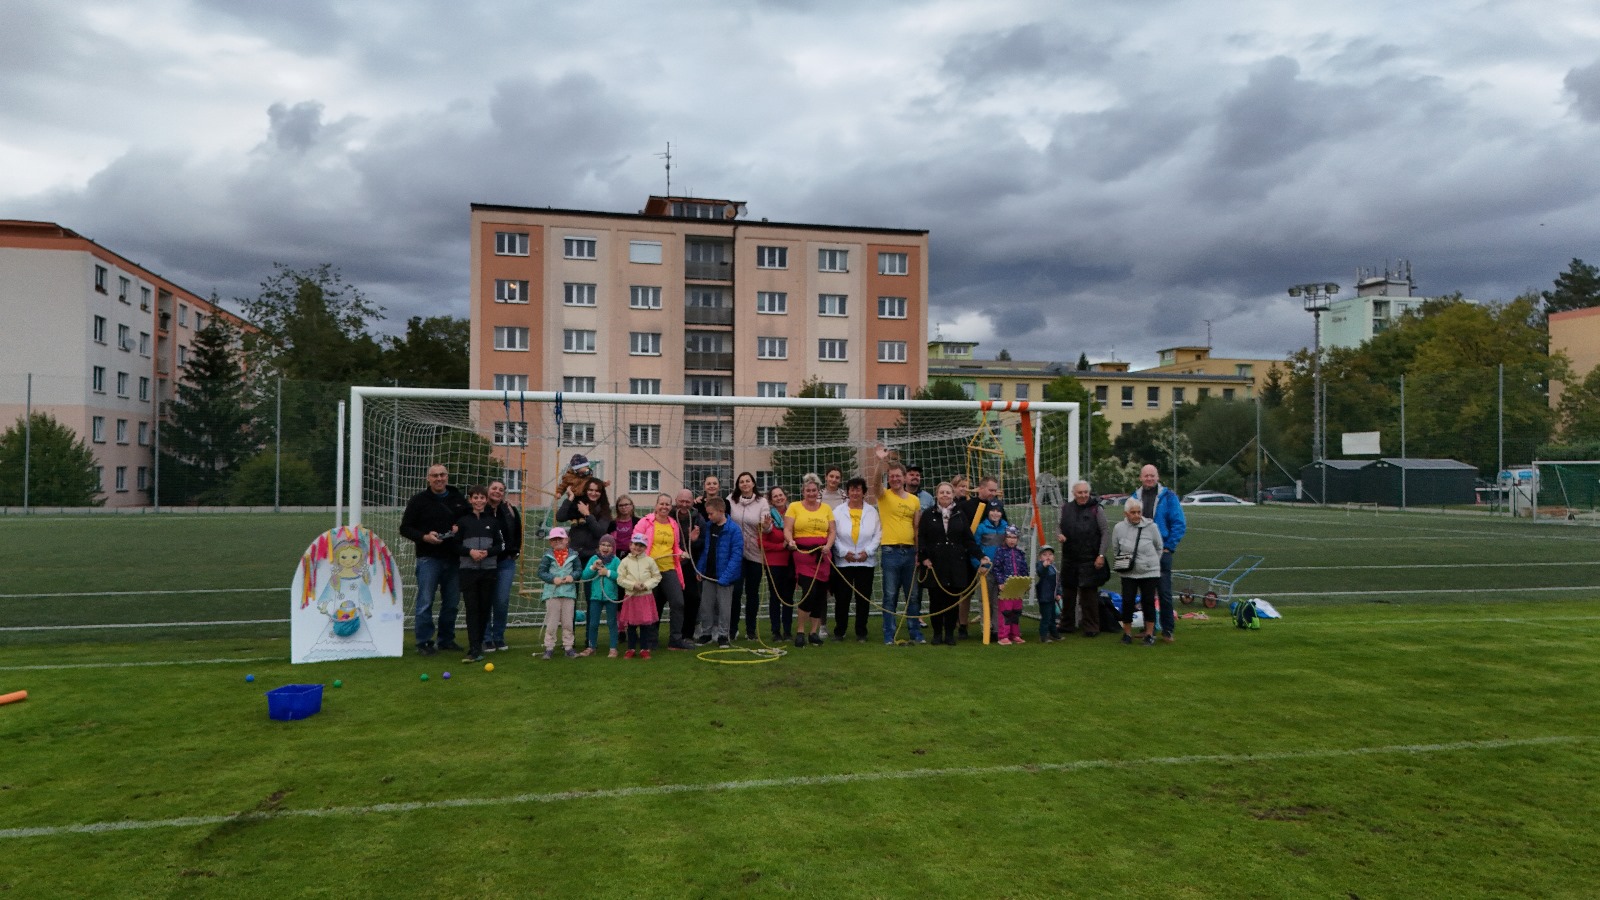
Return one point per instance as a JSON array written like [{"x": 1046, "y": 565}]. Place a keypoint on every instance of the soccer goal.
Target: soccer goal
[
  {"x": 1564, "y": 489},
  {"x": 646, "y": 444}
]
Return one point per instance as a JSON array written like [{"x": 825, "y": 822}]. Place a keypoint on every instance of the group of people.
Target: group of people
[{"x": 697, "y": 564}]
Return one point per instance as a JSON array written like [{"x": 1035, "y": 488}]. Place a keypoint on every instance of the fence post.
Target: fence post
[
  {"x": 1402, "y": 441},
  {"x": 27, "y": 442},
  {"x": 277, "y": 449}
]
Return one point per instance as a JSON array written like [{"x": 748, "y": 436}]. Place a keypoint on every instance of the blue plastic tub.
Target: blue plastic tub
[{"x": 294, "y": 701}]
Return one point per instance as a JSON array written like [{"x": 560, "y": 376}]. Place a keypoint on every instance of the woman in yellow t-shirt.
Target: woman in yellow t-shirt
[{"x": 808, "y": 527}]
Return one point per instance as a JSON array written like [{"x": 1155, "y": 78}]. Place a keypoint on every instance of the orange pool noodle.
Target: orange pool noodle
[{"x": 13, "y": 697}]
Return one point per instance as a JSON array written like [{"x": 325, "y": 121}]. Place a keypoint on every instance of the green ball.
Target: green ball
[
  {"x": 424, "y": 676},
  {"x": 338, "y": 683}
]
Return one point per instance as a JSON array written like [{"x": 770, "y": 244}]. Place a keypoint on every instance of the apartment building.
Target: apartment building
[
  {"x": 104, "y": 341},
  {"x": 689, "y": 296}
]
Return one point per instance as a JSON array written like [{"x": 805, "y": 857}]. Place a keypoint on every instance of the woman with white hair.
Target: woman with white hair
[
  {"x": 1085, "y": 538},
  {"x": 1136, "y": 543}
]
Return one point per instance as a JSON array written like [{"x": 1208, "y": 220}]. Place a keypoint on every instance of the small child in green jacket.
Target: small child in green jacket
[{"x": 603, "y": 593}]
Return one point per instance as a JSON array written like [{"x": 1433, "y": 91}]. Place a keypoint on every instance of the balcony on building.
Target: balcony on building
[
  {"x": 707, "y": 305},
  {"x": 708, "y": 351},
  {"x": 707, "y": 259}
]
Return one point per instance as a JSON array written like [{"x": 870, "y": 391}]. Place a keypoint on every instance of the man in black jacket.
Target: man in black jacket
[{"x": 430, "y": 522}]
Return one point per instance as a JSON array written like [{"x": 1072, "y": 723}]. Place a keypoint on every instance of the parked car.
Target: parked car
[
  {"x": 1113, "y": 499},
  {"x": 1281, "y": 494},
  {"x": 1214, "y": 498}
]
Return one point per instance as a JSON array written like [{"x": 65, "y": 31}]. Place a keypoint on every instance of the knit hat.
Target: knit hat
[
  {"x": 579, "y": 461},
  {"x": 1011, "y": 531}
]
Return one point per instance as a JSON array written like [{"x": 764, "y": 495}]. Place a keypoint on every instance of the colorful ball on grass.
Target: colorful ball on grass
[
  {"x": 488, "y": 667},
  {"x": 424, "y": 676},
  {"x": 447, "y": 676},
  {"x": 249, "y": 678},
  {"x": 338, "y": 683}
]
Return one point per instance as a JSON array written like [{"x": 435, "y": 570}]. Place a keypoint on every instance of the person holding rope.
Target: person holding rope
[
  {"x": 945, "y": 548},
  {"x": 588, "y": 518},
  {"x": 511, "y": 527},
  {"x": 808, "y": 528},
  {"x": 855, "y": 558},
  {"x": 976, "y": 509},
  {"x": 778, "y": 561},
  {"x": 748, "y": 509},
  {"x": 660, "y": 533},
  {"x": 898, "y": 509},
  {"x": 691, "y": 540}
]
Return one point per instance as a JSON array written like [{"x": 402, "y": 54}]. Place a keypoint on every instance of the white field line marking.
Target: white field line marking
[
  {"x": 1507, "y": 590},
  {"x": 143, "y": 625},
  {"x": 796, "y": 781},
  {"x": 1373, "y": 521},
  {"x": 135, "y": 665},
  {"x": 1510, "y": 565},
  {"x": 155, "y": 593},
  {"x": 1446, "y": 620}
]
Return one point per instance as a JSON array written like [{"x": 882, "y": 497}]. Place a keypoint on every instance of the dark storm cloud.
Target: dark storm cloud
[
  {"x": 1014, "y": 319},
  {"x": 1583, "y": 85},
  {"x": 1026, "y": 50},
  {"x": 1115, "y": 143},
  {"x": 294, "y": 127}
]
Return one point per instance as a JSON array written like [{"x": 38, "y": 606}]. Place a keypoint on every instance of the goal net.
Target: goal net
[
  {"x": 644, "y": 445},
  {"x": 1564, "y": 489}
]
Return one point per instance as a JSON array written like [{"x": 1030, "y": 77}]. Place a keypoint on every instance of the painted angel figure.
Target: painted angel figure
[{"x": 348, "y": 594}]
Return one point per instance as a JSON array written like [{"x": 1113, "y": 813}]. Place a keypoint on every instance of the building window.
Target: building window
[
  {"x": 766, "y": 435},
  {"x": 772, "y": 389},
  {"x": 97, "y": 429},
  {"x": 642, "y": 296},
  {"x": 772, "y": 348},
  {"x": 144, "y": 435},
  {"x": 577, "y": 433},
  {"x": 199, "y": 321},
  {"x": 508, "y": 291},
  {"x": 122, "y": 384},
  {"x": 183, "y": 315},
  {"x": 644, "y": 343},
  {"x": 772, "y": 257},
  {"x": 100, "y": 478},
  {"x": 513, "y": 480},
  {"x": 577, "y": 384},
  {"x": 578, "y": 248},
  {"x": 144, "y": 299},
  {"x": 772, "y": 303},
  {"x": 578, "y": 294},
  {"x": 1243, "y": 370},
  {"x": 506, "y": 338},
  {"x": 122, "y": 479},
  {"x": 891, "y": 392},
  {"x": 577, "y": 340},
  {"x": 122, "y": 431},
  {"x": 644, "y": 435},
  {"x": 511, "y": 433},
  {"x": 706, "y": 434},
  {"x": 510, "y": 382},
  {"x": 183, "y": 355},
  {"x": 832, "y": 350},
  {"x": 1205, "y": 393},
  {"x": 144, "y": 388},
  {"x": 144, "y": 343},
  {"x": 892, "y": 351},
  {"x": 125, "y": 338},
  {"x": 833, "y": 260},
  {"x": 969, "y": 390},
  {"x": 1152, "y": 397},
  {"x": 838, "y": 390},
  {"x": 122, "y": 288},
  {"x": 765, "y": 480},
  {"x": 644, "y": 481},
  {"x": 1127, "y": 396},
  {"x": 100, "y": 279},
  {"x": 1227, "y": 393},
  {"x": 144, "y": 478},
  {"x": 644, "y": 385},
  {"x": 1177, "y": 396},
  {"x": 97, "y": 379},
  {"x": 893, "y": 263},
  {"x": 891, "y": 307},
  {"x": 831, "y": 304},
  {"x": 99, "y": 329},
  {"x": 995, "y": 388},
  {"x": 510, "y": 243},
  {"x": 645, "y": 252},
  {"x": 1022, "y": 391},
  {"x": 1100, "y": 394}
]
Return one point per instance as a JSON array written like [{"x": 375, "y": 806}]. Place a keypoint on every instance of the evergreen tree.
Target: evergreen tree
[
  {"x": 61, "y": 467},
  {"x": 212, "y": 430},
  {"x": 810, "y": 440},
  {"x": 1083, "y": 362},
  {"x": 1576, "y": 288},
  {"x": 936, "y": 440},
  {"x": 433, "y": 353},
  {"x": 1003, "y": 356}
]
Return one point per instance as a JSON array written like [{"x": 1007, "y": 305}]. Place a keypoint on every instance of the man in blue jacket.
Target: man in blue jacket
[
  {"x": 721, "y": 565},
  {"x": 1166, "y": 511}
]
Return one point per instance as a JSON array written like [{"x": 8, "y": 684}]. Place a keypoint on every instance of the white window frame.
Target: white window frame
[
  {"x": 578, "y": 293},
  {"x": 891, "y": 392},
  {"x": 144, "y": 388},
  {"x": 124, "y": 338},
  {"x": 511, "y": 338},
  {"x": 510, "y": 382},
  {"x": 892, "y": 351},
  {"x": 770, "y": 257},
  {"x": 830, "y": 260},
  {"x": 996, "y": 390},
  {"x": 772, "y": 348},
  {"x": 513, "y": 480},
  {"x": 144, "y": 344},
  {"x": 1152, "y": 396},
  {"x": 510, "y": 290},
  {"x": 640, "y": 252},
  {"x": 144, "y": 434},
  {"x": 510, "y": 243},
  {"x": 838, "y": 390},
  {"x": 1022, "y": 390},
  {"x": 97, "y": 330},
  {"x": 183, "y": 354},
  {"x": 100, "y": 279},
  {"x": 144, "y": 299},
  {"x": 644, "y": 296},
  {"x": 97, "y": 379},
  {"x": 644, "y": 386},
  {"x": 772, "y": 303},
  {"x": 122, "y": 431},
  {"x": 143, "y": 482},
  {"x": 578, "y": 340},
  {"x": 122, "y": 479},
  {"x": 1126, "y": 396},
  {"x": 766, "y": 435},
  {"x": 644, "y": 343},
  {"x": 577, "y": 434},
  {"x": 772, "y": 389},
  {"x": 509, "y": 433},
  {"x": 833, "y": 305},
  {"x": 644, "y": 435},
  {"x": 833, "y": 350},
  {"x": 183, "y": 315},
  {"x": 894, "y": 263},
  {"x": 891, "y": 307},
  {"x": 97, "y": 429},
  {"x": 577, "y": 384},
  {"x": 122, "y": 384},
  {"x": 123, "y": 283},
  {"x": 644, "y": 481},
  {"x": 580, "y": 248}
]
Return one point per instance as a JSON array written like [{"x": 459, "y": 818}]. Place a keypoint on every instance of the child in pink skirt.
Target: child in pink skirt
[
  {"x": 638, "y": 575},
  {"x": 1009, "y": 561}
]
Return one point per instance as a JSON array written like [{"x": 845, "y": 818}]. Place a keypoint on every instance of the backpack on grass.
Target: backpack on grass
[{"x": 1244, "y": 614}]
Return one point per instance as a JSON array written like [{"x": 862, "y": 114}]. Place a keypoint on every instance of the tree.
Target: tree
[
  {"x": 264, "y": 479},
  {"x": 1576, "y": 288},
  {"x": 61, "y": 467},
  {"x": 1053, "y": 438},
  {"x": 1151, "y": 443},
  {"x": 935, "y": 439},
  {"x": 1579, "y": 412},
  {"x": 1003, "y": 356},
  {"x": 810, "y": 440},
  {"x": 1083, "y": 362},
  {"x": 212, "y": 430},
  {"x": 433, "y": 353},
  {"x": 312, "y": 327}
]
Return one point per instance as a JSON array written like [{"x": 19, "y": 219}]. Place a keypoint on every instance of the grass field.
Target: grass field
[{"x": 1421, "y": 723}]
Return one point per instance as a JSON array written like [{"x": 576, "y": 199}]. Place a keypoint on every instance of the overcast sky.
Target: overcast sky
[{"x": 1096, "y": 176}]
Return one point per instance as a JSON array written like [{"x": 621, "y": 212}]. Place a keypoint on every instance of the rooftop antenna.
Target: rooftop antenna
[
  {"x": 1208, "y": 334},
  {"x": 668, "y": 156}
]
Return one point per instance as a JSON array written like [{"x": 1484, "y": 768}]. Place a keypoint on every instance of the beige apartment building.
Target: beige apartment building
[
  {"x": 1575, "y": 332},
  {"x": 688, "y": 296},
  {"x": 104, "y": 341}
]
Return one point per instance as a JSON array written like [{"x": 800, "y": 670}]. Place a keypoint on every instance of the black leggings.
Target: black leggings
[
  {"x": 1145, "y": 588},
  {"x": 851, "y": 583}
]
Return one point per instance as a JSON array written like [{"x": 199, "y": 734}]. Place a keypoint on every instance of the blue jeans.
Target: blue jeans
[
  {"x": 502, "y": 600},
  {"x": 1169, "y": 618},
  {"x": 443, "y": 574},
  {"x": 899, "y": 577}
]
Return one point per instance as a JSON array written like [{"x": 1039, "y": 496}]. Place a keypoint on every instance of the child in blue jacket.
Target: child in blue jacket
[{"x": 721, "y": 565}]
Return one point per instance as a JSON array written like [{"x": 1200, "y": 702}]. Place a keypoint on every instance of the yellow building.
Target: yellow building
[
  {"x": 1576, "y": 333},
  {"x": 1199, "y": 361}
]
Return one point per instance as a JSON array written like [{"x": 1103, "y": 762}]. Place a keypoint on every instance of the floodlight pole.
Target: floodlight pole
[{"x": 1317, "y": 297}]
